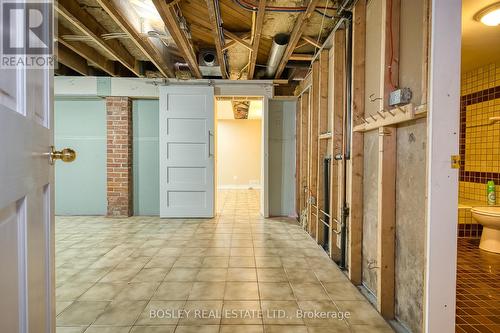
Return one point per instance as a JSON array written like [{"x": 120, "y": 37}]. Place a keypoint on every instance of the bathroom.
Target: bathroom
[{"x": 478, "y": 260}]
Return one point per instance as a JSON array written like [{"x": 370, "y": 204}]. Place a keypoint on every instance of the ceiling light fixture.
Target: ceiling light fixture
[{"x": 489, "y": 15}]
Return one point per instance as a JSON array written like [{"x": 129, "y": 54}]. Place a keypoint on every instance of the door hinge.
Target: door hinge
[{"x": 455, "y": 161}]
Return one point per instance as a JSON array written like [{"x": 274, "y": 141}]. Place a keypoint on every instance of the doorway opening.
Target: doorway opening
[{"x": 239, "y": 143}]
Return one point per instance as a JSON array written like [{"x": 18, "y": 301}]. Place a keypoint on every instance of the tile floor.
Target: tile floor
[
  {"x": 478, "y": 289},
  {"x": 235, "y": 273}
]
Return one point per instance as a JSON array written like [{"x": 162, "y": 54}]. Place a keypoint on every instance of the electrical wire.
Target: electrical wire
[{"x": 250, "y": 6}]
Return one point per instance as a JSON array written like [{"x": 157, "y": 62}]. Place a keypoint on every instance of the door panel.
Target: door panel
[
  {"x": 186, "y": 151},
  {"x": 26, "y": 208}
]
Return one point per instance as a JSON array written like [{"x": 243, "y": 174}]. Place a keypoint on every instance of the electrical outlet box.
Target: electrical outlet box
[{"x": 400, "y": 97}]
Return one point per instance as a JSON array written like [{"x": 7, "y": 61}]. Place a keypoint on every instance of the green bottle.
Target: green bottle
[{"x": 492, "y": 200}]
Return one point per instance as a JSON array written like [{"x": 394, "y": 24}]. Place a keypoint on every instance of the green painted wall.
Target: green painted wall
[
  {"x": 146, "y": 166},
  {"x": 80, "y": 186}
]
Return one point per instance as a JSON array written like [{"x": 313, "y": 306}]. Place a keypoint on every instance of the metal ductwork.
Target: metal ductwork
[
  {"x": 209, "y": 64},
  {"x": 280, "y": 42}
]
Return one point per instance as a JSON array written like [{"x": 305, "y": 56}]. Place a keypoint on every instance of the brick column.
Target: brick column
[{"x": 119, "y": 156}]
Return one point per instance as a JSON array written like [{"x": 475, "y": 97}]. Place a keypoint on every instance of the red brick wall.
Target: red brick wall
[{"x": 119, "y": 156}]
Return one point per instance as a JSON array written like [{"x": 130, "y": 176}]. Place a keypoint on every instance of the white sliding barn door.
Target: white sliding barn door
[
  {"x": 186, "y": 151},
  {"x": 26, "y": 197}
]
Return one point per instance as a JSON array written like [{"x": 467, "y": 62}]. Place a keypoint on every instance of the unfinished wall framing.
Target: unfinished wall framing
[{"x": 385, "y": 167}]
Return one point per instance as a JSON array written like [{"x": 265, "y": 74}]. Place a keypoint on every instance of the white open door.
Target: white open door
[
  {"x": 26, "y": 194},
  {"x": 186, "y": 151}
]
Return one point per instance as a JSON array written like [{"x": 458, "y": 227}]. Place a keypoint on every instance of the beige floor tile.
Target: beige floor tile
[
  {"x": 238, "y": 261},
  {"x": 81, "y": 313},
  {"x": 138, "y": 291},
  {"x": 241, "y": 329},
  {"x": 241, "y": 312},
  {"x": 68, "y": 329},
  {"x": 197, "y": 329},
  {"x": 301, "y": 275},
  {"x": 61, "y": 305},
  {"x": 330, "y": 329},
  {"x": 309, "y": 291},
  {"x": 102, "y": 291},
  {"x": 268, "y": 262},
  {"x": 322, "y": 313},
  {"x": 108, "y": 329},
  {"x": 201, "y": 313},
  {"x": 161, "y": 262},
  {"x": 241, "y": 252},
  {"x": 153, "y": 329},
  {"x": 72, "y": 290},
  {"x": 285, "y": 329},
  {"x": 156, "y": 274},
  {"x": 280, "y": 313},
  {"x": 121, "y": 312},
  {"x": 182, "y": 274},
  {"x": 371, "y": 329},
  {"x": 343, "y": 291},
  {"x": 173, "y": 291},
  {"x": 207, "y": 291},
  {"x": 276, "y": 291},
  {"x": 241, "y": 274},
  {"x": 241, "y": 291},
  {"x": 215, "y": 262},
  {"x": 160, "y": 313},
  {"x": 271, "y": 275},
  {"x": 121, "y": 274},
  {"x": 212, "y": 274},
  {"x": 361, "y": 313}
]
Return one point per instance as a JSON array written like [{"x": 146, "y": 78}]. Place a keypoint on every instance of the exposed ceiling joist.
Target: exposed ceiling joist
[
  {"x": 261, "y": 10},
  {"x": 232, "y": 43},
  {"x": 123, "y": 15},
  {"x": 216, "y": 33},
  {"x": 301, "y": 57},
  {"x": 72, "y": 60},
  {"x": 238, "y": 39},
  {"x": 311, "y": 41},
  {"x": 301, "y": 21},
  {"x": 81, "y": 19},
  {"x": 85, "y": 51},
  {"x": 169, "y": 17}
]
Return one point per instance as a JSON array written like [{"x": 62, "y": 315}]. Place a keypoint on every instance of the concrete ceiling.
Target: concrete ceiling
[{"x": 480, "y": 43}]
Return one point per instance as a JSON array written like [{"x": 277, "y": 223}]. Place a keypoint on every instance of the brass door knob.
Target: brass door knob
[{"x": 65, "y": 155}]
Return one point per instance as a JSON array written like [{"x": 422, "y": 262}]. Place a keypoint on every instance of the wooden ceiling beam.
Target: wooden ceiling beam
[
  {"x": 85, "y": 51},
  {"x": 169, "y": 17},
  {"x": 301, "y": 57},
  {"x": 88, "y": 25},
  {"x": 238, "y": 39},
  {"x": 311, "y": 41},
  {"x": 72, "y": 60},
  {"x": 232, "y": 43},
  {"x": 300, "y": 23},
  {"x": 261, "y": 10},
  {"x": 121, "y": 12},
  {"x": 217, "y": 37}
]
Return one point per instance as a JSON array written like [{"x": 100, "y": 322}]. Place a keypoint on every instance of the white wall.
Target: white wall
[
  {"x": 282, "y": 158},
  {"x": 238, "y": 153}
]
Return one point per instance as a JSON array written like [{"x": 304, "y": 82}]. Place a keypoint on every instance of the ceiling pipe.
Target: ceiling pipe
[{"x": 280, "y": 42}]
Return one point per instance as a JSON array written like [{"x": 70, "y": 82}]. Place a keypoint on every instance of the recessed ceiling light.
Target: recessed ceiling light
[{"x": 489, "y": 15}]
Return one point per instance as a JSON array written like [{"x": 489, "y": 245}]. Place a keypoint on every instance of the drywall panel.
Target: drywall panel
[
  {"x": 80, "y": 186},
  {"x": 239, "y": 153},
  {"x": 282, "y": 158},
  {"x": 370, "y": 209},
  {"x": 146, "y": 161},
  {"x": 410, "y": 223},
  {"x": 411, "y": 47}
]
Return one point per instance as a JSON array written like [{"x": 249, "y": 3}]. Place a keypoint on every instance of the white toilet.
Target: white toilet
[{"x": 489, "y": 217}]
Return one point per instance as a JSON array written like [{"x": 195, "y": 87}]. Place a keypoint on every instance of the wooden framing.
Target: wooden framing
[
  {"x": 261, "y": 10},
  {"x": 304, "y": 150},
  {"x": 356, "y": 163},
  {"x": 387, "y": 165},
  {"x": 217, "y": 37},
  {"x": 232, "y": 43},
  {"x": 295, "y": 35},
  {"x": 301, "y": 57},
  {"x": 337, "y": 126},
  {"x": 72, "y": 60},
  {"x": 298, "y": 155},
  {"x": 322, "y": 144},
  {"x": 85, "y": 51},
  {"x": 237, "y": 39},
  {"x": 131, "y": 25},
  {"x": 171, "y": 21},
  {"x": 311, "y": 41},
  {"x": 313, "y": 150},
  {"x": 71, "y": 11}
]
